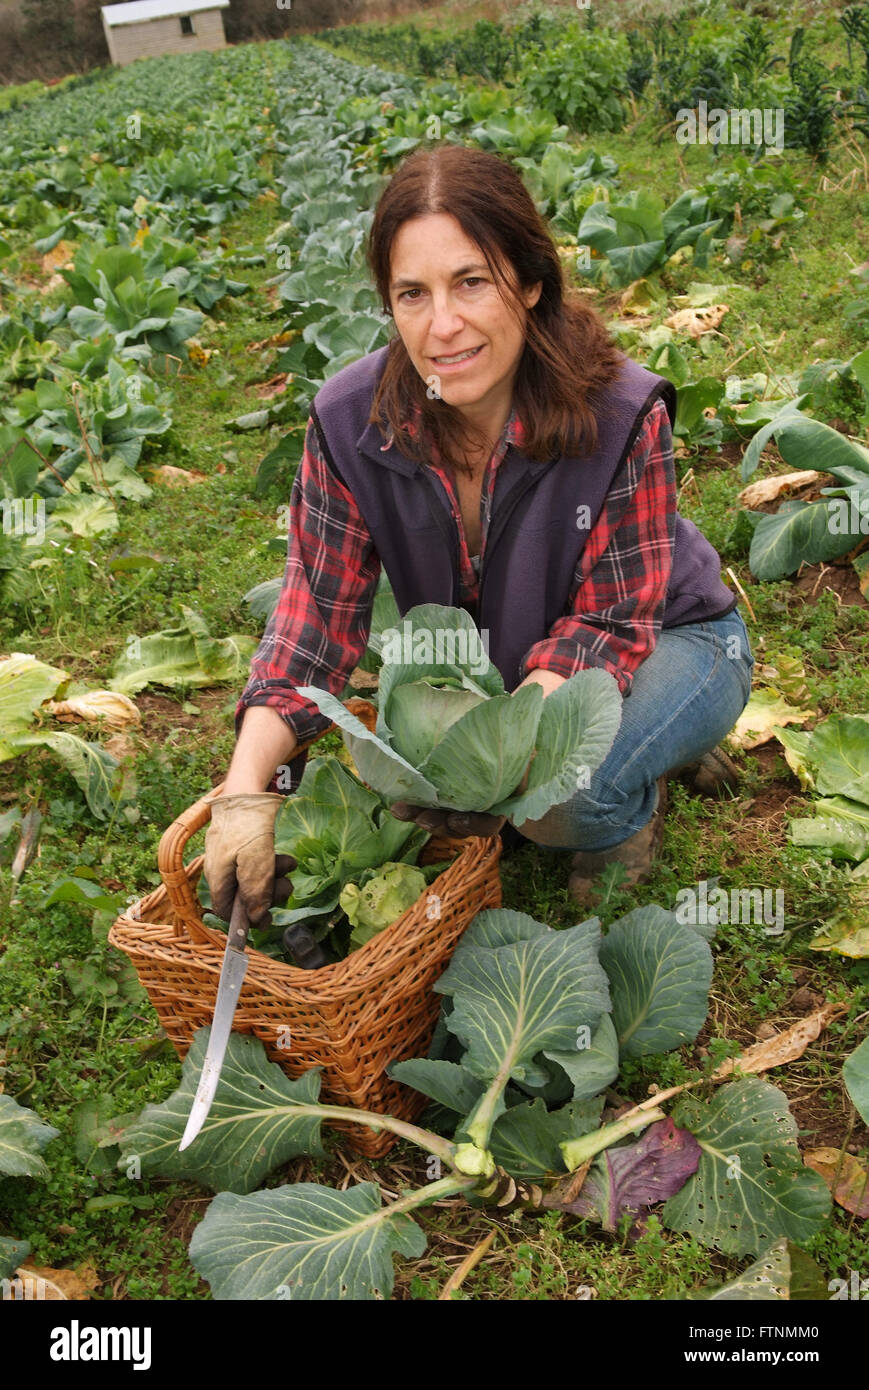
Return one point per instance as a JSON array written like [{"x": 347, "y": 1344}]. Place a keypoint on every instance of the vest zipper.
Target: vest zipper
[
  {"x": 506, "y": 511},
  {"x": 450, "y": 533}
]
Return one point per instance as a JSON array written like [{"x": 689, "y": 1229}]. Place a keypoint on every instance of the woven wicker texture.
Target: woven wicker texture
[{"x": 352, "y": 1018}]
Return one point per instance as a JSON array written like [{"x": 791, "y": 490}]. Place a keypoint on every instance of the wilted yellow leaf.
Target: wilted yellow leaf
[
  {"x": 783, "y": 1047},
  {"x": 785, "y": 674},
  {"x": 696, "y": 322},
  {"x": 854, "y": 944},
  {"x": 847, "y": 934},
  {"x": 120, "y": 746},
  {"x": 768, "y": 489},
  {"x": 76, "y": 1284},
  {"x": 639, "y": 298},
  {"x": 851, "y": 1189},
  {"x": 766, "y": 710},
  {"x": 700, "y": 295},
  {"x": 170, "y": 476},
  {"x": 114, "y": 711}
]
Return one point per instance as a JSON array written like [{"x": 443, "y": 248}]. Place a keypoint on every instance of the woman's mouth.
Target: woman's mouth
[{"x": 458, "y": 359}]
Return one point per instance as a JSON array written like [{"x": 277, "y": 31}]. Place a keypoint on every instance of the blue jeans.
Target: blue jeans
[{"x": 685, "y": 698}]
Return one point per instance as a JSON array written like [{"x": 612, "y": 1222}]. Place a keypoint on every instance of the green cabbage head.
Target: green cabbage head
[
  {"x": 449, "y": 735},
  {"x": 381, "y": 901}
]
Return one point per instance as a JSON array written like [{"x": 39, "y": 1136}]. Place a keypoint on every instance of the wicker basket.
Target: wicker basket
[{"x": 352, "y": 1018}]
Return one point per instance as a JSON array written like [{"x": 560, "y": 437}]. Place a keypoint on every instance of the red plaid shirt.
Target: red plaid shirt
[{"x": 320, "y": 626}]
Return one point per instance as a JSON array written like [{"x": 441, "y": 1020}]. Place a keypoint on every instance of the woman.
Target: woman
[{"x": 502, "y": 455}]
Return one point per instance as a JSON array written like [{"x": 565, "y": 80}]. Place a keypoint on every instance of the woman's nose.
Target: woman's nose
[{"x": 445, "y": 319}]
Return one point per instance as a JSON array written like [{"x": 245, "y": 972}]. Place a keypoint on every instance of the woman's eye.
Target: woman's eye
[{"x": 471, "y": 280}]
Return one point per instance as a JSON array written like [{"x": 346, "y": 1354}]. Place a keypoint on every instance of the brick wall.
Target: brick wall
[{"x": 155, "y": 36}]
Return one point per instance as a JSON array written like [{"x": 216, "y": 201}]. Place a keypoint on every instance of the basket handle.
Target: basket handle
[{"x": 179, "y": 877}]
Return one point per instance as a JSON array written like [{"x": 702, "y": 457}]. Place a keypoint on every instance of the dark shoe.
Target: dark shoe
[
  {"x": 636, "y": 854},
  {"x": 715, "y": 769}
]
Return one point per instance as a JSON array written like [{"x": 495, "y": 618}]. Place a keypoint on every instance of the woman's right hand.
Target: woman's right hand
[{"x": 240, "y": 854}]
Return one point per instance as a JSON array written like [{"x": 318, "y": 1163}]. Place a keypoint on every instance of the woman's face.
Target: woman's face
[{"x": 446, "y": 303}]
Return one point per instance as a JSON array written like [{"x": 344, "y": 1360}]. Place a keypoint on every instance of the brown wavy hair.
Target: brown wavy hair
[{"x": 568, "y": 355}]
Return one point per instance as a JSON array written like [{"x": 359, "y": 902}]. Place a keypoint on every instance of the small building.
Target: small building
[{"x": 146, "y": 28}]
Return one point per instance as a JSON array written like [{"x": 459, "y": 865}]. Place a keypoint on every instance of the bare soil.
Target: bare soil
[
  {"x": 841, "y": 579},
  {"x": 164, "y": 719}
]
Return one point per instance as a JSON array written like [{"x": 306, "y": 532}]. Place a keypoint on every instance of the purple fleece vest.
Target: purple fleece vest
[{"x": 542, "y": 513}]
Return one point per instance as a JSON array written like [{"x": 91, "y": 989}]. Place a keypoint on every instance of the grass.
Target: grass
[
  {"x": 66, "y": 1046},
  {"x": 547, "y": 1261}
]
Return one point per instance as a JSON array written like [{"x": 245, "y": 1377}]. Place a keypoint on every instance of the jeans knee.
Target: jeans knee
[{"x": 597, "y": 817}]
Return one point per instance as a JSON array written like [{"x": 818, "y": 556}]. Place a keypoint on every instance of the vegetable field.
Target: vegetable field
[{"x": 667, "y": 1101}]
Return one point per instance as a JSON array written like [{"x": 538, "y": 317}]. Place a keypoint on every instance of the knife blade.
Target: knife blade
[{"x": 232, "y": 973}]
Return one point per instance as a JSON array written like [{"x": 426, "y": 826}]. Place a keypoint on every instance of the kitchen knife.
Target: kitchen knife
[{"x": 233, "y": 971}]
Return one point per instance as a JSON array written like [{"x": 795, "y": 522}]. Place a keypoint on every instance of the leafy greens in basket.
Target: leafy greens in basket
[
  {"x": 449, "y": 735},
  {"x": 382, "y": 900},
  {"x": 339, "y": 833}
]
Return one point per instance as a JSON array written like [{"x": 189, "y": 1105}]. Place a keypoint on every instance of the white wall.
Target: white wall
[{"x": 155, "y": 36}]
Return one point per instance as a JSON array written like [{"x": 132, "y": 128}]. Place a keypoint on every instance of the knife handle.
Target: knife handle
[{"x": 239, "y": 926}]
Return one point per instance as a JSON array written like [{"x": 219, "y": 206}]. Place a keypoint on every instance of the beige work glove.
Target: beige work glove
[{"x": 240, "y": 854}]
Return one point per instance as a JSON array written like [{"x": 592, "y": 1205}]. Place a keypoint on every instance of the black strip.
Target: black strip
[
  {"x": 708, "y": 618},
  {"x": 657, "y": 393},
  {"x": 326, "y": 451}
]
